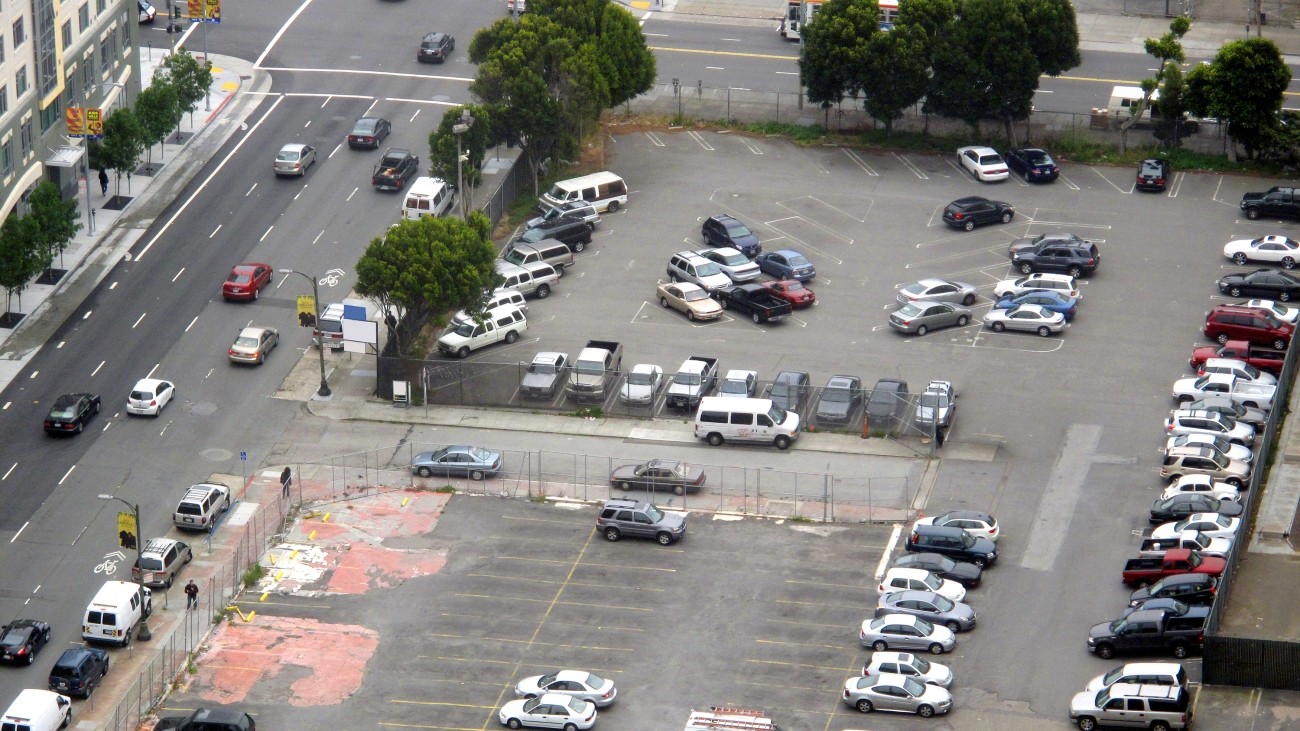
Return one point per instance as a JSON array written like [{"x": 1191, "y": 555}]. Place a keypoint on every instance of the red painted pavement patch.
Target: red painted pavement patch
[
  {"x": 239, "y": 657},
  {"x": 363, "y": 567}
]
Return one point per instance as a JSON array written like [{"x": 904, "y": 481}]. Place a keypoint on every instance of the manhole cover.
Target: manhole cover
[
  {"x": 203, "y": 408},
  {"x": 215, "y": 455}
]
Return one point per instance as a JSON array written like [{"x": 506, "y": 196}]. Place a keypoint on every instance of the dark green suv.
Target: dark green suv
[
  {"x": 956, "y": 543},
  {"x": 639, "y": 519}
]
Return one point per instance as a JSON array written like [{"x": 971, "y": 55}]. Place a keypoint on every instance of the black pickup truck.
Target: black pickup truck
[
  {"x": 1276, "y": 201},
  {"x": 1150, "y": 632},
  {"x": 754, "y": 300},
  {"x": 395, "y": 168}
]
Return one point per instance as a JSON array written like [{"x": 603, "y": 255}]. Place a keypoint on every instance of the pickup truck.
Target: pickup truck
[
  {"x": 1276, "y": 201},
  {"x": 1150, "y": 631},
  {"x": 1265, "y": 359},
  {"x": 1143, "y": 571},
  {"x": 1253, "y": 395},
  {"x": 693, "y": 381},
  {"x": 395, "y": 168},
  {"x": 595, "y": 367},
  {"x": 544, "y": 375},
  {"x": 754, "y": 300},
  {"x": 1188, "y": 539}
]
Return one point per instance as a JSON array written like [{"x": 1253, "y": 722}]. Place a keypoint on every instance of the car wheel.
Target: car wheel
[
  {"x": 715, "y": 439},
  {"x": 880, "y": 645},
  {"x": 953, "y": 626},
  {"x": 257, "y": 292},
  {"x": 1284, "y": 296},
  {"x": 624, "y": 486},
  {"x": 579, "y": 246},
  {"x": 690, "y": 315},
  {"x": 925, "y": 711},
  {"x": 1235, "y": 291},
  {"x": 613, "y": 207},
  {"x": 1044, "y": 330},
  {"x": 936, "y": 649},
  {"x": 168, "y": 583},
  {"x": 664, "y": 538},
  {"x": 96, "y": 410},
  {"x": 1252, "y": 214},
  {"x": 1180, "y": 651},
  {"x": 1087, "y": 723},
  {"x": 1105, "y": 652},
  {"x": 476, "y": 475},
  {"x": 1239, "y": 258},
  {"x": 1026, "y": 268},
  {"x": 559, "y": 272},
  {"x": 570, "y": 727},
  {"x": 673, "y": 278},
  {"x": 782, "y": 442},
  {"x": 1159, "y": 726},
  {"x": 962, "y": 320},
  {"x": 864, "y": 706},
  {"x": 513, "y": 723},
  {"x": 511, "y": 337},
  {"x": 463, "y": 353},
  {"x": 1006, "y": 217},
  {"x": 679, "y": 489},
  {"x": 424, "y": 472},
  {"x": 1235, "y": 482},
  {"x": 543, "y": 292},
  {"x": 1075, "y": 272},
  {"x": 1223, "y": 338},
  {"x": 67, "y": 718},
  {"x": 31, "y": 657},
  {"x": 758, "y": 320},
  {"x": 998, "y": 327},
  {"x": 921, "y": 330},
  {"x": 664, "y": 301},
  {"x": 1288, "y": 263},
  {"x": 1279, "y": 344},
  {"x": 612, "y": 534},
  {"x": 968, "y": 300}
]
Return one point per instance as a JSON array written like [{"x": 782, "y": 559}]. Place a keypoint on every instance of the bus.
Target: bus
[{"x": 798, "y": 12}]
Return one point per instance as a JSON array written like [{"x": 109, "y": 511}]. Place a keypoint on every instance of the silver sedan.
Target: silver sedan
[
  {"x": 938, "y": 290},
  {"x": 1027, "y": 318},
  {"x": 898, "y": 693},
  {"x": 922, "y": 317},
  {"x": 905, "y": 632},
  {"x": 932, "y": 607}
]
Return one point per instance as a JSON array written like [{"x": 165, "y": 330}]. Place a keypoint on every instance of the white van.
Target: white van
[
  {"x": 1125, "y": 98},
  {"x": 427, "y": 197},
  {"x": 37, "y": 710},
  {"x": 604, "y": 191},
  {"x": 114, "y": 613},
  {"x": 722, "y": 419},
  {"x": 499, "y": 298}
]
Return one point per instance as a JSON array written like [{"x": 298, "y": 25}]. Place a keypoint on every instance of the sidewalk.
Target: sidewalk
[{"x": 108, "y": 234}]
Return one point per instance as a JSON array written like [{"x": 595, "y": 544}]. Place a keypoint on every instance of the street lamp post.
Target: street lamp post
[
  {"x": 466, "y": 121},
  {"x": 144, "y": 635},
  {"x": 324, "y": 390}
]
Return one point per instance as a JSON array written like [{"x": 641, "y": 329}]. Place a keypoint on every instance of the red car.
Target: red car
[
  {"x": 792, "y": 291},
  {"x": 246, "y": 281}
]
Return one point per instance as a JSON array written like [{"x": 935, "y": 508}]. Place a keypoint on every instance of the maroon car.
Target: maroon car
[
  {"x": 246, "y": 281},
  {"x": 792, "y": 291}
]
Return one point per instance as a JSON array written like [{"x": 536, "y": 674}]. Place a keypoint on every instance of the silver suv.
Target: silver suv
[
  {"x": 160, "y": 561},
  {"x": 1130, "y": 704},
  {"x": 639, "y": 519},
  {"x": 201, "y": 505},
  {"x": 687, "y": 266}
]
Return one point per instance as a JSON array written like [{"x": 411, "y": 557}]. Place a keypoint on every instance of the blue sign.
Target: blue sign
[{"x": 243, "y": 456}]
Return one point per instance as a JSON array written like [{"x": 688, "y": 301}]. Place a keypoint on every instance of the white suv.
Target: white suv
[
  {"x": 1209, "y": 422},
  {"x": 1062, "y": 283},
  {"x": 686, "y": 266}
]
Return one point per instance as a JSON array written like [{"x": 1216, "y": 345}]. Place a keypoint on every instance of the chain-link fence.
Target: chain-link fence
[{"x": 178, "y": 631}]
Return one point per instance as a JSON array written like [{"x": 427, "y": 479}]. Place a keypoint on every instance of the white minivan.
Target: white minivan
[
  {"x": 758, "y": 420},
  {"x": 115, "y": 612},
  {"x": 604, "y": 191},
  {"x": 427, "y": 197},
  {"x": 37, "y": 710}
]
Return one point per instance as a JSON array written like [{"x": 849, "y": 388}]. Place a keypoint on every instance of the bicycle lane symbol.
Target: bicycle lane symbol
[{"x": 109, "y": 566}]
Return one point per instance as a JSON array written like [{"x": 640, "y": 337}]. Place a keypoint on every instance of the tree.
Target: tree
[
  {"x": 898, "y": 64},
  {"x": 56, "y": 222},
  {"x": 124, "y": 140},
  {"x": 1171, "y": 106},
  {"x": 931, "y": 21},
  {"x": 1168, "y": 49},
  {"x": 984, "y": 67},
  {"x": 20, "y": 258},
  {"x": 835, "y": 51},
  {"x": 1243, "y": 84},
  {"x": 474, "y": 144},
  {"x": 1055, "y": 39},
  {"x": 190, "y": 78},
  {"x": 423, "y": 268},
  {"x": 159, "y": 109}
]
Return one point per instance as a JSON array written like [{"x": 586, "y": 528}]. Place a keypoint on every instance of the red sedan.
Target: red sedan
[
  {"x": 792, "y": 291},
  {"x": 246, "y": 281}
]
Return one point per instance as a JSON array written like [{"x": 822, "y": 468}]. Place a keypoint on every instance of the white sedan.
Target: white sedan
[
  {"x": 1245, "y": 372},
  {"x": 913, "y": 666},
  {"x": 984, "y": 163},
  {"x": 149, "y": 396},
  {"x": 1280, "y": 311},
  {"x": 1238, "y": 452},
  {"x": 642, "y": 384},
  {"x": 1211, "y": 525},
  {"x": 1205, "y": 484},
  {"x": 573, "y": 683},
  {"x": 1254, "y": 395},
  {"x": 550, "y": 710},
  {"x": 1028, "y": 318},
  {"x": 1270, "y": 249}
]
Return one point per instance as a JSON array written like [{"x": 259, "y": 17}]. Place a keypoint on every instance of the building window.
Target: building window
[
  {"x": 52, "y": 115},
  {"x": 20, "y": 81},
  {"x": 44, "y": 27},
  {"x": 100, "y": 6},
  {"x": 67, "y": 34},
  {"x": 26, "y": 133},
  {"x": 2, "y": 48},
  {"x": 124, "y": 37},
  {"x": 4, "y": 100},
  {"x": 6, "y": 159},
  {"x": 83, "y": 18},
  {"x": 88, "y": 76},
  {"x": 105, "y": 59},
  {"x": 70, "y": 73},
  {"x": 20, "y": 32}
]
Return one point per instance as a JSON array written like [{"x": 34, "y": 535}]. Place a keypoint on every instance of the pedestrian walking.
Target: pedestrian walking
[
  {"x": 286, "y": 479},
  {"x": 191, "y": 595},
  {"x": 103, "y": 181}
]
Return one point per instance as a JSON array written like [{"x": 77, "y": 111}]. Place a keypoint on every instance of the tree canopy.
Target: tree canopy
[
  {"x": 474, "y": 143},
  {"x": 836, "y": 46},
  {"x": 56, "y": 221},
  {"x": 1244, "y": 85}
]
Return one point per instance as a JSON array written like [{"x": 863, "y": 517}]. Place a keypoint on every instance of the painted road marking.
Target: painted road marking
[{"x": 1060, "y": 496}]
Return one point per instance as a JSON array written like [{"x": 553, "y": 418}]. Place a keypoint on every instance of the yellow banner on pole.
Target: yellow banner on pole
[
  {"x": 127, "y": 535},
  {"x": 306, "y": 310}
]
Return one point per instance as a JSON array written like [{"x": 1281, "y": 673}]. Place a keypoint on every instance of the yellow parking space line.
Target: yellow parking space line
[
  {"x": 805, "y": 624},
  {"x": 859, "y": 587},
  {"x": 798, "y": 644},
  {"x": 785, "y": 664},
  {"x": 461, "y": 681},
  {"x": 620, "y": 607},
  {"x": 454, "y": 637},
  {"x": 548, "y": 666},
  {"x": 585, "y": 625},
  {"x": 600, "y": 648},
  {"x": 403, "y": 701},
  {"x": 466, "y": 659},
  {"x": 820, "y": 604},
  {"x": 525, "y": 519},
  {"x": 295, "y": 605},
  {"x": 572, "y": 583}
]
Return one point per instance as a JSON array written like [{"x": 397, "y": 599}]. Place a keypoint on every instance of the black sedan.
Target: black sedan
[
  {"x": 1033, "y": 164},
  {"x": 840, "y": 400},
  {"x": 966, "y": 574},
  {"x": 22, "y": 639},
  {"x": 368, "y": 132},
  {"x": 71, "y": 412},
  {"x": 967, "y": 213},
  {"x": 1185, "y": 503},
  {"x": 658, "y": 474},
  {"x": 1267, "y": 283},
  {"x": 457, "y": 460}
]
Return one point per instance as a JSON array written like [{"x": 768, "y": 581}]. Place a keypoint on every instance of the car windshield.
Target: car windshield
[
  {"x": 515, "y": 257},
  {"x": 694, "y": 295},
  {"x": 151, "y": 564},
  {"x": 594, "y": 681},
  {"x": 63, "y": 411},
  {"x": 533, "y": 235},
  {"x": 546, "y": 369},
  {"x": 464, "y": 329},
  {"x": 480, "y": 454},
  {"x": 932, "y": 582},
  {"x": 798, "y": 260},
  {"x": 687, "y": 379},
  {"x": 776, "y": 414},
  {"x": 141, "y": 395},
  {"x": 531, "y": 704},
  {"x": 1038, "y": 157},
  {"x": 545, "y": 680},
  {"x": 577, "y": 705},
  {"x": 914, "y": 687},
  {"x": 933, "y": 399},
  {"x": 245, "y": 342},
  {"x": 238, "y": 277},
  {"x": 655, "y": 514},
  {"x": 287, "y": 155},
  {"x": 909, "y": 310},
  {"x": 737, "y": 230},
  {"x": 735, "y": 387},
  {"x": 837, "y": 395},
  {"x": 14, "y": 637},
  {"x": 364, "y": 127},
  {"x": 967, "y": 540},
  {"x": 640, "y": 379}
]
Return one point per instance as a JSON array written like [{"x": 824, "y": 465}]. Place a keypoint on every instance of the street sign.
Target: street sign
[
  {"x": 204, "y": 11},
  {"x": 243, "y": 456}
]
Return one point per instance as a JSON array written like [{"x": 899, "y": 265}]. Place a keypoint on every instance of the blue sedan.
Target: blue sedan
[
  {"x": 1033, "y": 164},
  {"x": 1047, "y": 299},
  {"x": 786, "y": 264}
]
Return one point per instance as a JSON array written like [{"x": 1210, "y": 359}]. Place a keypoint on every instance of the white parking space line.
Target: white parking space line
[
  {"x": 750, "y": 144},
  {"x": 1060, "y": 496},
  {"x": 422, "y": 101},
  {"x": 337, "y": 147},
  {"x": 1070, "y": 184},
  {"x": 1116, "y": 187},
  {"x": 654, "y": 139},
  {"x": 857, "y": 159},
  {"x": 1179, "y": 177},
  {"x": 908, "y": 164},
  {"x": 101, "y": 365},
  {"x": 413, "y": 116},
  {"x": 11, "y": 469},
  {"x": 187, "y": 327},
  {"x": 178, "y": 274},
  {"x": 696, "y": 136}
]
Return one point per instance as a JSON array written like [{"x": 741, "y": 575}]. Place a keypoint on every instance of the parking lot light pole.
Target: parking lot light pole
[
  {"x": 466, "y": 121},
  {"x": 144, "y": 635},
  {"x": 324, "y": 390}
]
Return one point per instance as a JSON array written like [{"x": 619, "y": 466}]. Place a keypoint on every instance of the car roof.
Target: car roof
[
  {"x": 792, "y": 376},
  {"x": 787, "y": 252},
  {"x": 724, "y": 218},
  {"x": 890, "y": 656},
  {"x": 889, "y": 384},
  {"x": 148, "y": 382},
  {"x": 970, "y": 200},
  {"x": 547, "y": 357},
  {"x": 933, "y": 281},
  {"x": 158, "y": 545},
  {"x": 969, "y": 514},
  {"x": 906, "y": 594},
  {"x": 977, "y": 149},
  {"x": 293, "y": 146},
  {"x": 843, "y": 382},
  {"x": 900, "y": 618},
  {"x": 907, "y": 572},
  {"x": 252, "y": 332}
]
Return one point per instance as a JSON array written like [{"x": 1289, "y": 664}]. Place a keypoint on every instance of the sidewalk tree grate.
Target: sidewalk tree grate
[
  {"x": 10, "y": 320},
  {"x": 51, "y": 276},
  {"x": 149, "y": 169},
  {"x": 116, "y": 203}
]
